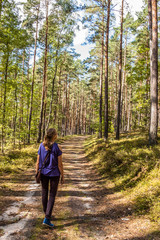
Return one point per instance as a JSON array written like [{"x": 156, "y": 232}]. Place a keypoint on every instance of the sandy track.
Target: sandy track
[
  {"x": 93, "y": 210},
  {"x": 86, "y": 207}
]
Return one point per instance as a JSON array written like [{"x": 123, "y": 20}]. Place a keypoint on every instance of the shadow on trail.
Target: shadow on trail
[{"x": 152, "y": 236}]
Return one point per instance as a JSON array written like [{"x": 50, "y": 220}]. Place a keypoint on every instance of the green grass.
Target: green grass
[
  {"x": 133, "y": 166},
  {"x": 16, "y": 161}
]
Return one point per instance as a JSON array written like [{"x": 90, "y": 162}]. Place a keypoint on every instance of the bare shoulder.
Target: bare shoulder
[{"x": 60, "y": 147}]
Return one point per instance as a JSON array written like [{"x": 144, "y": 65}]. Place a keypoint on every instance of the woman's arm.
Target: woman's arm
[
  {"x": 37, "y": 164},
  {"x": 60, "y": 166}
]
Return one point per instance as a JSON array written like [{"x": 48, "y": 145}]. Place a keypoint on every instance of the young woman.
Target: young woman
[{"x": 51, "y": 172}]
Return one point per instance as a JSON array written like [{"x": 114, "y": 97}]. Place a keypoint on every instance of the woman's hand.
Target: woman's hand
[{"x": 62, "y": 179}]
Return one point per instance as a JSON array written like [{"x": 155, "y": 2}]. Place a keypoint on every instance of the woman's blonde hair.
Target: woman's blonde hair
[{"x": 48, "y": 139}]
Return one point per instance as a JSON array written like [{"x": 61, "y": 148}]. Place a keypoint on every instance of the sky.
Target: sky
[
  {"x": 81, "y": 35},
  {"x": 134, "y": 5}
]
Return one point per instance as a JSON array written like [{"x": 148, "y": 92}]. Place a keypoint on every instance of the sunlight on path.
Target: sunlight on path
[
  {"x": 16, "y": 218},
  {"x": 86, "y": 208}
]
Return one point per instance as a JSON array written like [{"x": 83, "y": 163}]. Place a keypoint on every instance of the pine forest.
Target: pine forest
[
  {"x": 44, "y": 83},
  {"x": 87, "y": 71}
]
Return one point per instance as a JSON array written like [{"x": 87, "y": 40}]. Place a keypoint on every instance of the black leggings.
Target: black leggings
[{"x": 49, "y": 203}]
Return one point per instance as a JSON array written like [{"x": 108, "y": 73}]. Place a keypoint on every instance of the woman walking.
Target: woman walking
[{"x": 50, "y": 173}]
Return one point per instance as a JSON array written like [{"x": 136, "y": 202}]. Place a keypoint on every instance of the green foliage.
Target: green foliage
[
  {"x": 132, "y": 166},
  {"x": 17, "y": 161}
]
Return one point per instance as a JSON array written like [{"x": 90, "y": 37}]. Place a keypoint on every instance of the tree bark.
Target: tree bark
[
  {"x": 53, "y": 83},
  {"x": 106, "y": 73},
  {"x": 129, "y": 122},
  {"x": 120, "y": 78},
  {"x": 4, "y": 103},
  {"x": 154, "y": 77},
  {"x": 16, "y": 108},
  {"x": 33, "y": 76},
  {"x": 0, "y": 8},
  {"x": 42, "y": 117},
  {"x": 66, "y": 105},
  {"x": 123, "y": 102},
  {"x": 101, "y": 75}
]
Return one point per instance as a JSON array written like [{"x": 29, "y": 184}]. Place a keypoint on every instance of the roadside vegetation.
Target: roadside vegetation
[
  {"x": 16, "y": 168},
  {"x": 133, "y": 166}
]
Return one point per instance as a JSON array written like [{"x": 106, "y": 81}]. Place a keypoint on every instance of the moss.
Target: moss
[{"x": 133, "y": 166}]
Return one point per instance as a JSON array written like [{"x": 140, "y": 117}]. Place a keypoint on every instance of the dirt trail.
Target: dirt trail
[
  {"x": 17, "y": 217},
  {"x": 88, "y": 209},
  {"x": 85, "y": 207}
]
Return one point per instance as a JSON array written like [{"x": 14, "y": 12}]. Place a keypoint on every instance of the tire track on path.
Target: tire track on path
[
  {"x": 90, "y": 207},
  {"x": 86, "y": 207}
]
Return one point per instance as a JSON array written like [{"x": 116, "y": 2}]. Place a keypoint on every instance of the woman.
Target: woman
[{"x": 51, "y": 172}]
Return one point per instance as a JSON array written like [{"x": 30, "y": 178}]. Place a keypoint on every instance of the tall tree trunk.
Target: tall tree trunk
[
  {"x": 44, "y": 112},
  {"x": 28, "y": 95},
  {"x": 53, "y": 83},
  {"x": 123, "y": 102},
  {"x": 106, "y": 73},
  {"x": 154, "y": 77},
  {"x": 22, "y": 95},
  {"x": 66, "y": 110},
  {"x": 120, "y": 78},
  {"x": 15, "y": 117},
  {"x": 16, "y": 108},
  {"x": 101, "y": 74},
  {"x": 129, "y": 122},
  {"x": 59, "y": 100},
  {"x": 0, "y": 8},
  {"x": 63, "y": 111},
  {"x": 4, "y": 103},
  {"x": 44, "y": 78},
  {"x": 150, "y": 32},
  {"x": 33, "y": 76}
]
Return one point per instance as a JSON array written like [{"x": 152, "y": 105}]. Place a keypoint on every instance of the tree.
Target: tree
[
  {"x": 154, "y": 74},
  {"x": 106, "y": 73},
  {"x": 120, "y": 78},
  {"x": 36, "y": 7},
  {"x": 44, "y": 90}
]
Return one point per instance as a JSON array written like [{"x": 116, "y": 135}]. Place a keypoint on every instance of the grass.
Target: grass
[
  {"x": 17, "y": 161},
  {"x": 133, "y": 166},
  {"x": 16, "y": 168}
]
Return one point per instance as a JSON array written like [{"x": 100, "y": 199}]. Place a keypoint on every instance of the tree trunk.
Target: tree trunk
[
  {"x": 4, "y": 103},
  {"x": 44, "y": 78},
  {"x": 53, "y": 83},
  {"x": 101, "y": 75},
  {"x": 44, "y": 112},
  {"x": 33, "y": 76},
  {"x": 106, "y": 73},
  {"x": 15, "y": 117},
  {"x": 154, "y": 77},
  {"x": 59, "y": 100},
  {"x": 16, "y": 108},
  {"x": 123, "y": 102},
  {"x": 0, "y": 8},
  {"x": 120, "y": 78},
  {"x": 129, "y": 122},
  {"x": 66, "y": 106}
]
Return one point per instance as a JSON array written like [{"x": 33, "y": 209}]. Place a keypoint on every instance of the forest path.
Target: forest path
[
  {"x": 19, "y": 207},
  {"x": 86, "y": 208}
]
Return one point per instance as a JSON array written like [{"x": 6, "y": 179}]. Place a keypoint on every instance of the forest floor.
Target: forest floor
[{"x": 87, "y": 206}]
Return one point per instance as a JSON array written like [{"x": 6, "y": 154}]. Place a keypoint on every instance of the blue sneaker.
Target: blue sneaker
[{"x": 48, "y": 223}]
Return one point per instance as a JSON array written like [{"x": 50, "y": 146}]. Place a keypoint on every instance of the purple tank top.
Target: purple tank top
[{"x": 51, "y": 165}]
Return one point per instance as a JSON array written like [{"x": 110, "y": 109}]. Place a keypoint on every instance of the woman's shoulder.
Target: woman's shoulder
[
  {"x": 57, "y": 145},
  {"x": 40, "y": 145}
]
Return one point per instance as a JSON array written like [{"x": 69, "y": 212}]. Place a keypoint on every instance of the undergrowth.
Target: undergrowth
[
  {"x": 18, "y": 160},
  {"x": 133, "y": 166}
]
